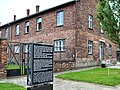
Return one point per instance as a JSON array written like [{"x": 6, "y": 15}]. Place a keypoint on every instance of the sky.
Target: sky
[{"x": 9, "y": 8}]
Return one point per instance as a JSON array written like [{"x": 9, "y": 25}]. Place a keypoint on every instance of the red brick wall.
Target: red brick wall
[
  {"x": 50, "y": 31},
  {"x": 75, "y": 32},
  {"x": 3, "y": 58},
  {"x": 83, "y": 34}
]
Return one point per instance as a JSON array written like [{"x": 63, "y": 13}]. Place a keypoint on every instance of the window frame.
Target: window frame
[
  {"x": 17, "y": 29},
  {"x": 27, "y": 27},
  {"x": 37, "y": 24},
  {"x": 6, "y": 32},
  {"x": 60, "y": 19},
  {"x": 59, "y": 45},
  {"x": 0, "y": 34},
  {"x": 90, "y": 21},
  {"x": 90, "y": 47},
  {"x": 101, "y": 30},
  {"x": 110, "y": 49},
  {"x": 17, "y": 48},
  {"x": 24, "y": 48}
]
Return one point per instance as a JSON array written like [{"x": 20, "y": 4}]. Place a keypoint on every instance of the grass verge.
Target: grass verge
[
  {"x": 97, "y": 75},
  {"x": 10, "y": 86},
  {"x": 12, "y": 67}
]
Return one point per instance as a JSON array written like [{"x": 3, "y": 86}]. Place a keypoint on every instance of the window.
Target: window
[
  {"x": 0, "y": 34},
  {"x": 59, "y": 45},
  {"x": 6, "y": 32},
  {"x": 110, "y": 49},
  {"x": 90, "y": 21},
  {"x": 90, "y": 47},
  {"x": 27, "y": 27},
  {"x": 25, "y": 48},
  {"x": 7, "y": 50},
  {"x": 60, "y": 18},
  {"x": 17, "y": 30},
  {"x": 39, "y": 24},
  {"x": 101, "y": 30},
  {"x": 16, "y": 49}
]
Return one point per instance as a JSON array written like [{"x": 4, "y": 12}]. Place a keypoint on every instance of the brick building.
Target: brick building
[{"x": 72, "y": 28}]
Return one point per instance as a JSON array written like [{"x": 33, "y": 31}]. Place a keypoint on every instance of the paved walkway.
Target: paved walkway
[
  {"x": 72, "y": 85},
  {"x": 60, "y": 84}
]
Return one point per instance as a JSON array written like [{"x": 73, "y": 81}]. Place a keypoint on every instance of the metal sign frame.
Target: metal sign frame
[{"x": 40, "y": 64}]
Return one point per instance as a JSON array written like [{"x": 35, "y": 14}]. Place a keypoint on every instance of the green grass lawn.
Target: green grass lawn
[
  {"x": 12, "y": 66},
  {"x": 9, "y": 86},
  {"x": 97, "y": 75}
]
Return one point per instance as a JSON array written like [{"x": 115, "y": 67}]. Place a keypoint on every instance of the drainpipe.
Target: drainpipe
[
  {"x": 76, "y": 33},
  {"x": 10, "y": 32}
]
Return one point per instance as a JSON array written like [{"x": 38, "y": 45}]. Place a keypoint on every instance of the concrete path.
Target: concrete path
[{"x": 60, "y": 84}]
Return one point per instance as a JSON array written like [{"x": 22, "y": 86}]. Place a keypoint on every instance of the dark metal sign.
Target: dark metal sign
[{"x": 40, "y": 68}]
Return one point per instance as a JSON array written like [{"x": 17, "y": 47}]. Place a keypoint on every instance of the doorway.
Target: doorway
[
  {"x": 101, "y": 51},
  {"x": 118, "y": 56}
]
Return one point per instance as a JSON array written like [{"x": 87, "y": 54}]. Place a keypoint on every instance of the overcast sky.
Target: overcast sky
[{"x": 9, "y": 8}]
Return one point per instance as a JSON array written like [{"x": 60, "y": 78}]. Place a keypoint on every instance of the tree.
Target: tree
[{"x": 108, "y": 14}]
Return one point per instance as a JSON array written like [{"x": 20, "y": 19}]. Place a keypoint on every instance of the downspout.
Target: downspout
[
  {"x": 75, "y": 23},
  {"x": 10, "y": 32},
  {"x": 75, "y": 27}
]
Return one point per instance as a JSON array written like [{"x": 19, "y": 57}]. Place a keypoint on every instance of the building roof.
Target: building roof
[{"x": 41, "y": 12}]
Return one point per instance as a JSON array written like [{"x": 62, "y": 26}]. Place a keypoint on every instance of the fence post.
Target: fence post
[{"x": 3, "y": 58}]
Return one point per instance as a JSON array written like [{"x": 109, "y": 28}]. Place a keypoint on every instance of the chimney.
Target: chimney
[
  {"x": 14, "y": 17},
  {"x": 37, "y": 8},
  {"x": 28, "y": 12}
]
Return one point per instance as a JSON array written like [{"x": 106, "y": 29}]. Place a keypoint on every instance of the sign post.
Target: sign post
[
  {"x": 40, "y": 67},
  {"x": 108, "y": 64}
]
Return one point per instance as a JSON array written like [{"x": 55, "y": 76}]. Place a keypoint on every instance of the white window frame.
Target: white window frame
[
  {"x": 27, "y": 27},
  {"x": 16, "y": 49},
  {"x": 90, "y": 47},
  {"x": 90, "y": 21},
  {"x": 59, "y": 45},
  {"x": 25, "y": 48},
  {"x": 17, "y": 30},
  {"x": 60, "y": 18},
  {"x": 101, "y": 30},
  {"x": 6, "y": 32},
  {"x": 0, "y": 34},
  {"x": 39, "y": 24}
]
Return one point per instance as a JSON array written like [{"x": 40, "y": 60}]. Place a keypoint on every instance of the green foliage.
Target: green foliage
[
  {"x": 9, "y": 86},
  {"x": 108, "y": 14},
  {"x": 98, "y": 76}
]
